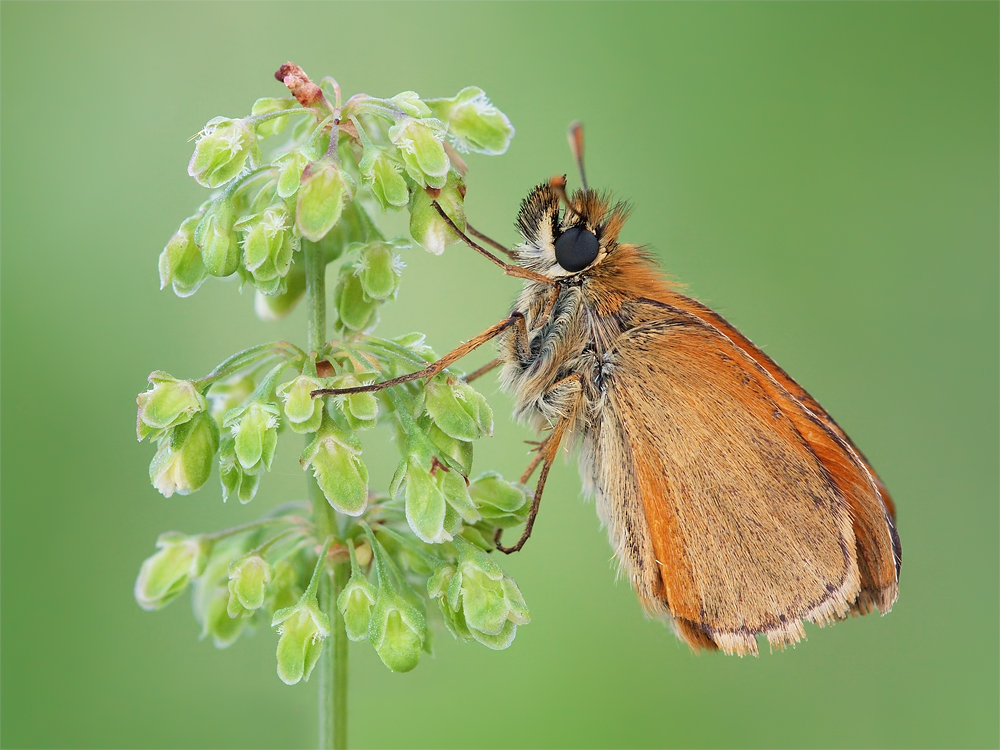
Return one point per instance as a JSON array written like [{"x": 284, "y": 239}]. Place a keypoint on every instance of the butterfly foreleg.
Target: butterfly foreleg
[
  {"x": 565, "y": 396},
  {"x": 515, "y": 320}
]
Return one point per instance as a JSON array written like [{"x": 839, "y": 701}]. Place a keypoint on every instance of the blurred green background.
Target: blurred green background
[{"x": 825, "y": 175}]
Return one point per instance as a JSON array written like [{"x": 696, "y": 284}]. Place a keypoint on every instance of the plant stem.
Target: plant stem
[{"x": 333, "y": 660}]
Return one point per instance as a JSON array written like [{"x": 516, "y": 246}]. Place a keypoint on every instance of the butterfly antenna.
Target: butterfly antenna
[
  {"x": 576, "y": 146},
  {"x": 558, "y": 184}
]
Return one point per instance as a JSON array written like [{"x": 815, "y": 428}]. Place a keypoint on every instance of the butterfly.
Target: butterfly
[{"x": 736, "y": 505}]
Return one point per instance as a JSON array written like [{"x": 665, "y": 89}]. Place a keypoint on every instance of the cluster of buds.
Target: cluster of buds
[
  {"x": 418, "y": 552},
  {"x": 397, "y": 153}
]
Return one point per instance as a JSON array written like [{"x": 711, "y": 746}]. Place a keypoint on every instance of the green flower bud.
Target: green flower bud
[
  {"x": 235, "y": 481},
  {"x": 456, "y": 492},
  {"x": 423, "y": 154},
  {"x": 181, "y": 264},
  {"x": 397, "y": 630},
  {"x": 302, "y": 629},
  {"x": 417, "y": 343},
  {"x": 425, "y": 504},
  {"x": 324, "y": 188},
  {"x": 459, "y": 451},
  {"x": 183, "y": 460},
  {"x": 284, "y": 590},
  {"x": 360, "y": 409},
  {"x": 228, "y": 394},
  {"x": 248, "y": 580},
  {"x": 355, "y": 309},
  {"x": 458, "y": 409},
  {"x": 268, "y": 105},
  {"x": 276, "y": 307},
  {"x": 215, "y": 237},
  {"x": 169, "y": 403},
  {"x": 267, "y": 248},
  {"x": 335, "y": 458},
  {"x": 303, "y": 412},
  {"x": 379, "y": 270},
  {"x": 437, "y": 588},
  {"x": 292, "y": 165},
  {"x": 501, "y": 503},
  {"x": 356, "y": 600},
  {"x": 224, "y": 148},
  {"x": 225, "y": 628},
  {"x": 490, "y": 601},
  {"x": 473, "y": 123},
  {"x": 382, "y": 174},
  {"x": 410, "y": 103},
  {"x": 355, "y": 604},
  {"x": 426, "y": 225},
  {"x": 255, "y": 432},
  {"x": 166, "y": 574}
]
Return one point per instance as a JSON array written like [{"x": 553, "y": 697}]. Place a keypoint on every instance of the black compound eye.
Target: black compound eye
[{"x": 576, "y": 249}]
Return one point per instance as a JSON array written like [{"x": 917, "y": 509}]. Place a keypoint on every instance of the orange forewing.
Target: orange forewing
[
  {"x": 774, "y": 370},
  {"x": 732, "y": 453}
]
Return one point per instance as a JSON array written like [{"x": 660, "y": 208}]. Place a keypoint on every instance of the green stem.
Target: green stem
[{"x": 333, "y": 660}]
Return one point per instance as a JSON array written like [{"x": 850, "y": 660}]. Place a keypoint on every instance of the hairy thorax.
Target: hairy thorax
[{"x": 569, "y": 357}]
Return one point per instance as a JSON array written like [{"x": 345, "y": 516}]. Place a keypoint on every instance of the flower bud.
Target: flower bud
[
  {"x": 169, "y": 403},
  {"x": 458, "y": 409},
  {"x": 248, "y": 580},
  {"x": 267, "y": 248},
  {"x": 473, "y": 123},
  {"x": 382, "y": 174},
  {"x": 290, "y": 177},
  {"x": 215, "y": 237},
  {"x": 255, "y": 431},
  {"x": 235, "y": 481},
  {"x": 490, "y": 601},
  {"x": 217, "y": 621},
  {"x": 355, "y": 309},
  {"x": 410, "y": 103},
  {"x": 355, "y": 604},
  {"x": 417, "y": 343},
  {"x": 302, "y": 629},
  {"x": 459, "y": 451},
  {"x": 425, "y": 504},
  {"x": 335, "y": 458},
  {"x": 379, "y": 270},
  {"x": 266, "y": 106},
  {"x": 397, "y": 630},
  {"x": 224, "y": 148},
  {"x": 166, "y": 574},
  {"x": 322, "y": 193},
  {"x": 438, "y": 585},
  {"x": 228, "y": 394},
  {"x": 183, "y": 460},
  {"x": 423, "y": 154},
  {"x": 277, "y": 306},
  {"x": 284, "y": 590},
  {"x": 426, "y": 225},
  {"x": 303, "y": 412},
  {"x": 360, "y": 409},
  {"x": 181, "y": 264},
  {"x": 500, "y": 502},
  {"x": 456, "y": 493}
]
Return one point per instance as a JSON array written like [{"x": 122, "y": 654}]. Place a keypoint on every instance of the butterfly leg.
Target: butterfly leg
[
  {"x": 567, "y": 397},
  {"x": 489, "y": 241},
  {"x": 491, "y": 365},
  {"x": 515, "y": 320},
  {"x": 508, "y": 268}
]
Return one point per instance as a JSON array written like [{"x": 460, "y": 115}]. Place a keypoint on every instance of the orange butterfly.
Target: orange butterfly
[{"x": 734, "y": 502}]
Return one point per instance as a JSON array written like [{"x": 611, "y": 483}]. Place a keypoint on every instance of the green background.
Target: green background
[{"x": 825, "y": 175}]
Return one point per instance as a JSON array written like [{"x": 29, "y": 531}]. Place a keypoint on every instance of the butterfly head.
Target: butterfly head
[{"x": 567, "y": 237}]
